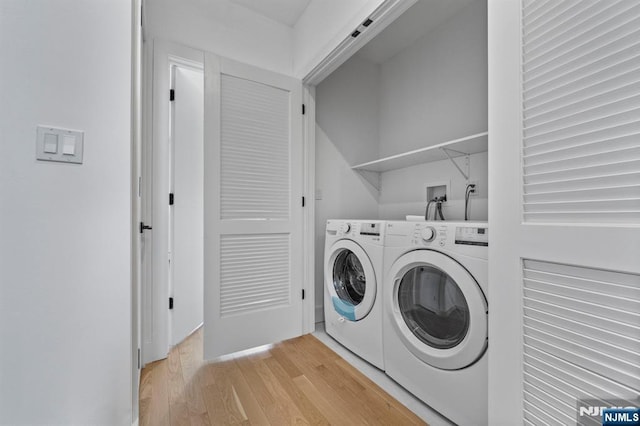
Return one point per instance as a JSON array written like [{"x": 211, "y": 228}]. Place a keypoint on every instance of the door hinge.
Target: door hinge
[
  {"x": 303, "y": 201},
  {"x": 172, "y": 95},
  {"x": 143, "y": 227},
  {"x": 304, "y": 109},
  {"x": 171, "y": 303},
  {"x": 139, "y": 364},
  {"x": 171, "y": 199},
  {"x": 303, "y": 294}
]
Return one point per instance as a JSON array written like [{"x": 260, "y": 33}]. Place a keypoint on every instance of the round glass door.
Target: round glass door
[
  {"x": 433, "y": 307},
  {"x": 350, "y": 280},
  {"x": 438, "y": 309}
]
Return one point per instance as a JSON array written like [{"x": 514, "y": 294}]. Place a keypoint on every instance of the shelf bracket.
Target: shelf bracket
[
  {"x": 446, "y": 152},
  {"x": 373, "y": 178}
]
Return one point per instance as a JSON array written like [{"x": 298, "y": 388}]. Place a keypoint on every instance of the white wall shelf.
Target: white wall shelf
[{"x": 465, "y": 146}]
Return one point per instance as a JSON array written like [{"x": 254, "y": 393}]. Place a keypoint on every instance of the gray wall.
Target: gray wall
[
  {"x": 432, "y": 92},
  {"x": 346, "y": 134},
  {"x": 436, "y": 89}
]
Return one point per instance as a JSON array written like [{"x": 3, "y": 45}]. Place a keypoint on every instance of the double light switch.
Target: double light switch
[{"x": 62, "y": 145}]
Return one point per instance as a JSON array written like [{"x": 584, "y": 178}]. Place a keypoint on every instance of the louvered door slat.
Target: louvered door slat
[
  {"x": 581, "y": 335},
  {"x": 587, "y": 55},
  {"x": 254, "y": 149},
  {"x": 581, "y": 112},
  {"x": 550, "y": 396},
  {"x": 532, "y": 6},
  {"x": 538, "y": 21},
  {"x": 586, "y": 110},
  {"x": 608, "y": 169},
  {"x": 617, "y": 63},
  {"x": 254, "y": 272},
  {"x": 603, "y": 85},
  {"x": 567, "y": 162},
  {"x": 577, "y": 14},
  {"x": 550, "y": 414},
  {"x": 588, "y": 194},
  {"x": 611, "y": 24}
]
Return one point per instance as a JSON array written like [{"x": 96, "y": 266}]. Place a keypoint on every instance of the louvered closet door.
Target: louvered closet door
[
  {"x": 253, "y": 213},
  {"x": 565, "y": 209}
]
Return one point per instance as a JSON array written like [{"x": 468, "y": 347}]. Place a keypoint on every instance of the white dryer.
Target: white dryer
[
  {"x": 436, "y": 314},
  {"x": 352, "y": 291}
]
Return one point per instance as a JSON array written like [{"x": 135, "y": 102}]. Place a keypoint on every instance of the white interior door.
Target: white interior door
[
  {"x": 564, "y": 153},
  {"x": 186, "y": 212},
  {"x": 161, "y": 58},
  {"x": 252, "y": 205}
]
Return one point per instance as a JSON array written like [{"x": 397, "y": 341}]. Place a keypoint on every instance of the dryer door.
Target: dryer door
[
  {"x": 438, "y": 309},
  {"x": 350, "y": 280}
]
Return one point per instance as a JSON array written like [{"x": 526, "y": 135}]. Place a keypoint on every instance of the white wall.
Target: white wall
[
  {"x": 346, "y": 134},
  {"x": 65, "y": 230},
  {"x": 224, "y": 28},
  {"x": 403, "y": 191},
  {"x": 322, "y": 26},
  {"x": 434, "y": 91},
  {"x": 187, "y": 214}
]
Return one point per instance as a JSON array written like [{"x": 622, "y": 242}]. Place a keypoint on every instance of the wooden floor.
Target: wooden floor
[{"x": 299, "y": 381}]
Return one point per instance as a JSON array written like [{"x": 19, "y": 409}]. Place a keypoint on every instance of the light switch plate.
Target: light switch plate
[{"x": 69, "y": 149}]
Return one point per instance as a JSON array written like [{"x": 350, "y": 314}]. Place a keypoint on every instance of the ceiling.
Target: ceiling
[
  {"x": 286, "y": 12},
  {"x": 408, "y": 28}
]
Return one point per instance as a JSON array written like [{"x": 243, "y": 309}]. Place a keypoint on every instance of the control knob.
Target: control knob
[
  {"x": 428, "y": 233},
  {"x": 346, "y": 227}
]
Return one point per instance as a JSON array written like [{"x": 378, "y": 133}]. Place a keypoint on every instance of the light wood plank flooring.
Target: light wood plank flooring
[{"x": 299, "y": 381}]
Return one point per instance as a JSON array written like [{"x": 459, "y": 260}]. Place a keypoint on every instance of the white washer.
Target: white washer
[
  {"x": 353, "y": 286},
  {"x": 436, "y": 314}
]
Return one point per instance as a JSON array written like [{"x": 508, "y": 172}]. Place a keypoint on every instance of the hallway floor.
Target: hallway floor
[{"x": 298, "y": 381}]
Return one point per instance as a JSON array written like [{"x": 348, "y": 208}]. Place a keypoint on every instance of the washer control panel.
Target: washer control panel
[
  {"x": 429, "y": 235},
  {"x": 472, "y": 236},
  {"x": 467, "y": 238},
  {"x": 370, "y": 231},
  {"x": 345, "y": 228}
]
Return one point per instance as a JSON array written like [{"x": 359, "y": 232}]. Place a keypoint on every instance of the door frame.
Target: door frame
[
  {"x": 156, "y": 182},
  {"x": 188, "y": 64}
]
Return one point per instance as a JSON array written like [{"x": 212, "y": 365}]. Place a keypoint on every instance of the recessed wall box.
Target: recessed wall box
[
  {"x": 437, "y": 190},
  {"x": 61, "y": 145}
]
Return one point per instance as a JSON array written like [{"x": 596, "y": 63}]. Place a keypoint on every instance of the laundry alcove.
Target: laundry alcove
[{"x": 418, "y": 85}]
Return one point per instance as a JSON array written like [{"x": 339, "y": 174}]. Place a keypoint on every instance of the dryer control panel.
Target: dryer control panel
[
  {"x": 468, "y": 238},
  {"x": 472, "y": 236}
]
